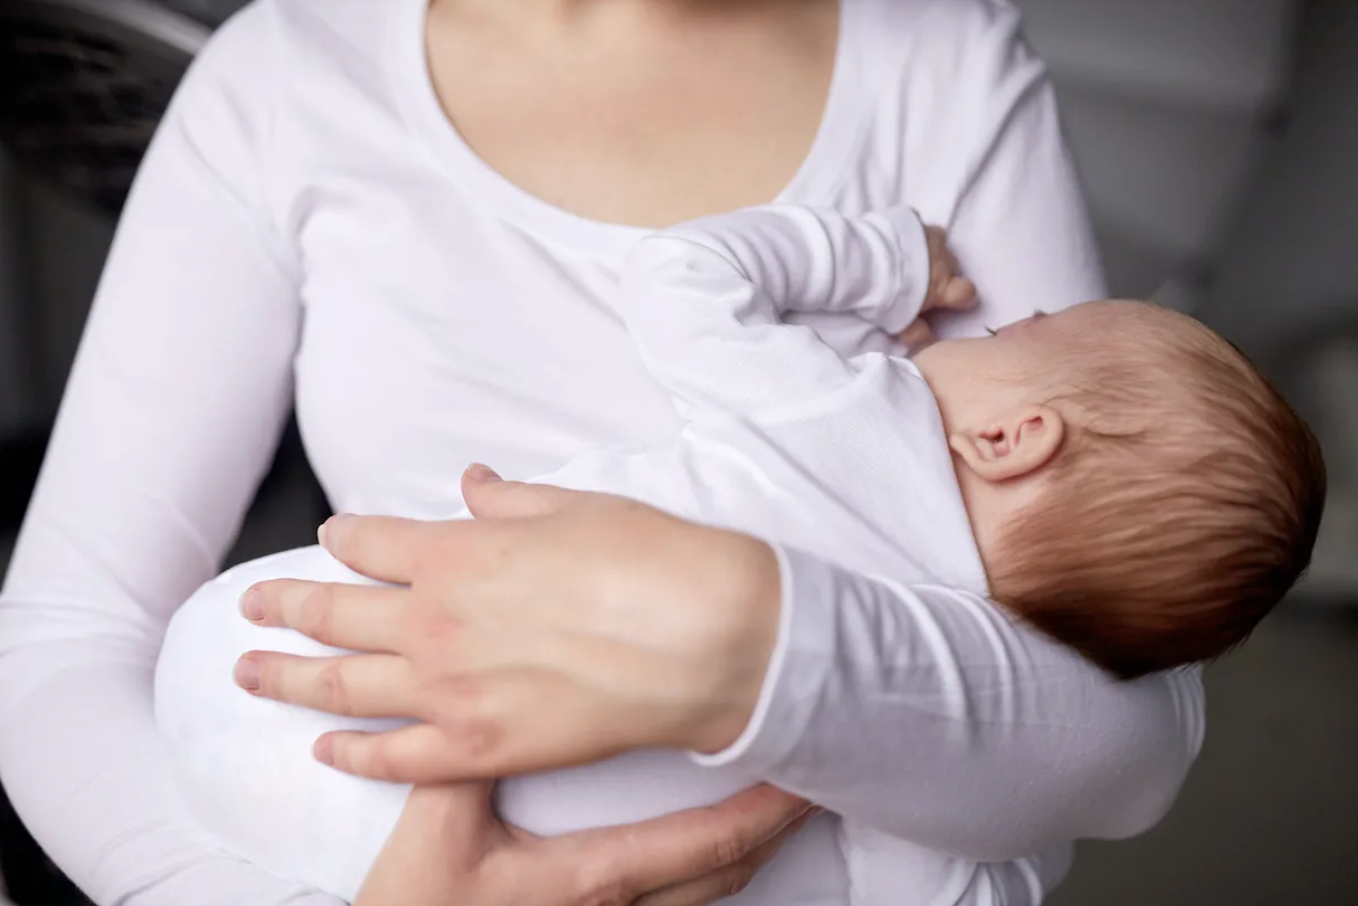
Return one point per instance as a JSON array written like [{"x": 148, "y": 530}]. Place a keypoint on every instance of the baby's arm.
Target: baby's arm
[{"x": 705, "y": 301}]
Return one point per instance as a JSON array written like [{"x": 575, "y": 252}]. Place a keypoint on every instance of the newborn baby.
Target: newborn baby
[{"x": 1115, "y": 474}]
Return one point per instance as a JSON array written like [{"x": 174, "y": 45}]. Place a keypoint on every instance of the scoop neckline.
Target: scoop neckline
[{"x": 822, "y": 170}]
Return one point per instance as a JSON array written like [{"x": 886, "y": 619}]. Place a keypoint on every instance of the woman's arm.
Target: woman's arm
[
  {"x": 173, "y": 410},
  {"x": 921, "y": 711},
  {"x": 927, "y": 713},
  {"x": 450, "y": 847}
]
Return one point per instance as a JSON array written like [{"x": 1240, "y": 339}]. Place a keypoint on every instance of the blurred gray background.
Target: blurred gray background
[{"x": 1218, "y": 140}]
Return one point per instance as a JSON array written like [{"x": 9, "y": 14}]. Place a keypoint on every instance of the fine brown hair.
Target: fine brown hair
[{"x": 1183, "y": 506}]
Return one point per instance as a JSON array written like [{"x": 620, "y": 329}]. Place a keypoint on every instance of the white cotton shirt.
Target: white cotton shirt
[
  {"x": 309, "y": 229},
  {"x": 782, "y": 438}
]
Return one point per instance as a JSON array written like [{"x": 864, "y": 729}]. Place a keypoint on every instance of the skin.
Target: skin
[
  {"x": 995, "y": 395},
  {"x": 449, "y": 848},
  {"x": 644, "y": 113}
]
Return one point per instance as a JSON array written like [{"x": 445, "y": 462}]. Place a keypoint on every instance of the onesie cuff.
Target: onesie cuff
[
  {"x": 797, "y": 672},
  {"x": 912, "y": 267}
]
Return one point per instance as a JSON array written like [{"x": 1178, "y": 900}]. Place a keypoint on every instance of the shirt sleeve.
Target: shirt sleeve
[
  {"x": 705, "y": 301},
  {"x": 929, "y": 715},
  {"x": 178, "y": 395},
  {"x": 924, "y": 711}
]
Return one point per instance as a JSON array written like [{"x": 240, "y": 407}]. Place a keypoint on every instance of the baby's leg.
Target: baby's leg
[{"x": 244, "y": 764}]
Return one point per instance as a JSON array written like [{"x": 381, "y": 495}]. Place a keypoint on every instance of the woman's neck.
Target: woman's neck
[{"x": 575, "y": 14}]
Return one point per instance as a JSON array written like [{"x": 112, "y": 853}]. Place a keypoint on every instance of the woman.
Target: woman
[{"x": 404, "y": 217}]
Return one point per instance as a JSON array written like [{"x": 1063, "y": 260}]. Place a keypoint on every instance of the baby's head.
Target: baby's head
[{"x": 1138, "y": 491}]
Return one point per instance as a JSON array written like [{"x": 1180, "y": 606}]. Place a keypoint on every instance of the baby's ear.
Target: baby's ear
[{"x": 1018, "y": 444}]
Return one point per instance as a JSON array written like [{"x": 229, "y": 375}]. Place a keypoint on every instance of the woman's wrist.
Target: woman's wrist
[{"x": 745, "y": 570}]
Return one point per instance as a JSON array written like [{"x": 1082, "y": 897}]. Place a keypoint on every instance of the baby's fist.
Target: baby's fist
[{"x": 947, "y": 289}]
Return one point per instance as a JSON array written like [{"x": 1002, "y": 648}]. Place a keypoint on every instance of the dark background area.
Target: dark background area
[{"x": 1219, "y": 143}]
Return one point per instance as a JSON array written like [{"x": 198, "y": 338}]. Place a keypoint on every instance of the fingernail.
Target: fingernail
[
  {"x": 247, "y": 674},
  {"x": 252, "y": 605},
  {"x": 479, "y": 473},
  {"x": 324, "y": 751},
  {"x": 326, "y": 526}
]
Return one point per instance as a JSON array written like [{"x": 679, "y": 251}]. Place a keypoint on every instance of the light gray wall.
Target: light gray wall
[
  {"x": 1289, "y": 265},
  {"x": 1162, "y": 102}
]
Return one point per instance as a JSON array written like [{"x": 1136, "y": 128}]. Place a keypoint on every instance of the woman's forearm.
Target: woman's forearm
[
  {"x": 927, "y": 713},
  {"x": 171, "y": 415},
  {"x": 85, "y": 769}
]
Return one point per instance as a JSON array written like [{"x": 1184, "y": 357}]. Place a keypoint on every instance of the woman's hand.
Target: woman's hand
[
  {"x": 449, "y": 849},
  {"x": 556, "y": 628}
]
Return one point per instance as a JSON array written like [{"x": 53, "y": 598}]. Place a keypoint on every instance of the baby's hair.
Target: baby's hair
[{"x": 1183, "y": 506}]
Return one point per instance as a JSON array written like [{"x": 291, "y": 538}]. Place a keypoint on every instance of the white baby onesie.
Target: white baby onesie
[{"x": 783, "y": 438}]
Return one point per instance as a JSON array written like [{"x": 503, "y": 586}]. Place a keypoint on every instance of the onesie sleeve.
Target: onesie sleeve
[{"x": 705, "y": 302}]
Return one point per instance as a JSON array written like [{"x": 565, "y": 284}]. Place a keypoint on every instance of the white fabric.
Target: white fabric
[
  {"x": 785, "y": 440},
  {"x": 308, "y": 227}
]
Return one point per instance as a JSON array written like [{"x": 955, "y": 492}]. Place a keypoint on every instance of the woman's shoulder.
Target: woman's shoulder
[
  {"x": 273, "y": 60},
  {"x": 939, "y": 31},
  {"x": 975, "y": 49},
  {"x": 265, "y": 45}
]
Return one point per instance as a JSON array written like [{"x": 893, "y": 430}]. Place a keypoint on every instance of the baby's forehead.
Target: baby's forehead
[
  {"x": 1149, "y": 336},
  {"x": 1121, "y": 311},
  {"x": 1115, "y": 323}
]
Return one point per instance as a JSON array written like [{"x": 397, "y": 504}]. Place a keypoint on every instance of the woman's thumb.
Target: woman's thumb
[{"x": 488, "y": 496}]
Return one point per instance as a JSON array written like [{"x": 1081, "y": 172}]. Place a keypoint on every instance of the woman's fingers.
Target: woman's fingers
[
  {"x": 372, "y": 685},
  {"x": 463, "y": 811},
  {"x": 419, "y": 754},
  {"x": 380, "y": 547},
  {"x": 367, "y": 617},
  {"x": 725, "y": 882},
  {"x": 693, "y": 844},
  {"x": 490, "y": 497},
  {"x": 467, "y": 737}
]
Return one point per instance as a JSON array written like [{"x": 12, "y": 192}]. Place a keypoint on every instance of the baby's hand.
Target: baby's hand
[{"x": 948, "y": 290}]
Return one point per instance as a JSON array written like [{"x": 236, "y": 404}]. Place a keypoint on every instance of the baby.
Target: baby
[{"x": 1115, "y": 474}]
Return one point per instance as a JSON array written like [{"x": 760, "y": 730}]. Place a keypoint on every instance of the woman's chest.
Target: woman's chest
[
  {"x": 644, "y": 117},
  {"x": 436, "y": 334},
  {"x": 451, "y": 317}
]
